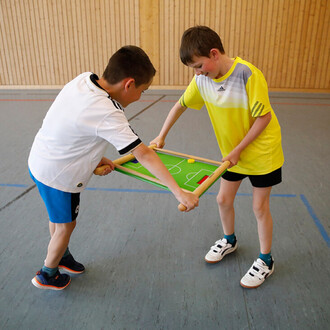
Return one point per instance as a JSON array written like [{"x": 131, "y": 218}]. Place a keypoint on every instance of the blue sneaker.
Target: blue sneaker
[
  {"x": 69, "y": 265},
  {"x": 57, "y": 282}
]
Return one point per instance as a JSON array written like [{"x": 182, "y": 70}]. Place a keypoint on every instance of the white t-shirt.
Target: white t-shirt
[{"x": 75, "y": 134}]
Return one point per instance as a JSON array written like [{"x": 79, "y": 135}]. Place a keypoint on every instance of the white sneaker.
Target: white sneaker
[
  {"x": 257, "y": 274},
  {"x": 219, "y": 250}
]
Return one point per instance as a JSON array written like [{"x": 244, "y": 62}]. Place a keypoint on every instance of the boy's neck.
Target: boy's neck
[
  {"x": 225, "y": 64},
  {"x": 115, "y": 91},
  {"x": 105, "y": 85}
]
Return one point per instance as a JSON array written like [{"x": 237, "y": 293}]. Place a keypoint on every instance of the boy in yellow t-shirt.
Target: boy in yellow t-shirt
[{"x": 235, "y": 94}]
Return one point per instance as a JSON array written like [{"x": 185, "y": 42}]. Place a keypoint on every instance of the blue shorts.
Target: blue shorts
[{"x": 62, "y": 207}]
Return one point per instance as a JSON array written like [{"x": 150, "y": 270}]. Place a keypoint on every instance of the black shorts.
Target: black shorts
[{"x": 258, "y": 181}]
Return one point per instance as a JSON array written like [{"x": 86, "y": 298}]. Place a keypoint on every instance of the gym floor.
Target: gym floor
[{"x": 144, "y": 259}]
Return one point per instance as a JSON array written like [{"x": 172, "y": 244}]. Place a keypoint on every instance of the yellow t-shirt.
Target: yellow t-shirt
[{"x": 233, "y": 103}]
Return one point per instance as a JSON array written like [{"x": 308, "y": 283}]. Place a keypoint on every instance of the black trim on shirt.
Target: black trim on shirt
[
  {"x": 116, "y": 104},
  {"x": 94, "y": 79},
  {"x": 130, "y": 147}
]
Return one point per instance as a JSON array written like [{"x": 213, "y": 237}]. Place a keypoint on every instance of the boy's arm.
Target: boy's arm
[
  {"x": 258, "y": 126},
  {"x": 149, "y": 159},
  {"x": 172, "y": 117}
]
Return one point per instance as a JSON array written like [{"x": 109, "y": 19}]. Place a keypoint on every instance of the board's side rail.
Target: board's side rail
[
  {"x": 175, "y": 153},
  {"x": 222, "y": 167}
]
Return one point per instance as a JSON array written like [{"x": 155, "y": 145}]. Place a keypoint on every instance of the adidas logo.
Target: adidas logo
[{"x": 221, "y": 89}]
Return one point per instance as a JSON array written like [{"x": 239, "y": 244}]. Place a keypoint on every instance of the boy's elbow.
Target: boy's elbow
[
  {"x": 141, "y": 151},
  {"x": 267, "y": 117}
]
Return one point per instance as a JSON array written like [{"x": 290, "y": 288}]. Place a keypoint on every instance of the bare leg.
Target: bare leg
[
  {"x": 60, "y": 237},
  {"x": 261, "y": 198},
  {"x": 225, "y": 199},
  {"x": 52, "y": 227}
]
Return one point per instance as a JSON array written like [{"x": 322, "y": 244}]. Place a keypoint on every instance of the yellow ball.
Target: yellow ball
[{"x": 191, "y": 161}]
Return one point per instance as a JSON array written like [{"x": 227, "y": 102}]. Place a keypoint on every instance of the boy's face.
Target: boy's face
[{"x": 207, "y": 66}]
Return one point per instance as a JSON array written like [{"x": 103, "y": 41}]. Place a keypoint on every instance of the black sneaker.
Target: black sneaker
[
  {"x": 70, "y": 265},
  {"x": 57, "y": 282}
]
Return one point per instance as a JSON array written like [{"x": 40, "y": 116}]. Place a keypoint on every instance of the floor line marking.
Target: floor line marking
[
  {"x": 150, "y": 191},
  {"x": 309, "y": 208},
  {"x": 146, "y": 108},
  {"x": 17, "y": 197},
  {"x": 316, "y": 220}
]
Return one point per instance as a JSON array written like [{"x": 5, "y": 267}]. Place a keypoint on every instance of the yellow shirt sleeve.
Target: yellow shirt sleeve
[
  {"x": 192, "y": 98},
  {"x": 257, "y": 92}
]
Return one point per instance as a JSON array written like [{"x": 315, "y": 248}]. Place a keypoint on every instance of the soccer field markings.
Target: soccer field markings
[
  {"x": 175, "y": 169},
  {"x": 196, "y": 174}
]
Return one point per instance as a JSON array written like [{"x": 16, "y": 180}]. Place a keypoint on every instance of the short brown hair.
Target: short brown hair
[
  {"x": 198, "y": 41},
  {"x": 129, "y": 61}
]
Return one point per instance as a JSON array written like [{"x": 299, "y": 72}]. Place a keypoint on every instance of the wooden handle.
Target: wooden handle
[
  {"x": 207, "y": 183},
  {"x": 119, "y": 161},
  {"x": 99, "y": 170},
  {"x": 181, "y": 207}
]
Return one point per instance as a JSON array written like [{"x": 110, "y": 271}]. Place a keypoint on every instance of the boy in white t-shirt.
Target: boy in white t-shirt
[
  {"x": 85, "y": 117},
  {"x": 235, "y": 94}
]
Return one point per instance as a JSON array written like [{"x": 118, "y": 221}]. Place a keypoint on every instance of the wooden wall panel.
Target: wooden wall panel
[
  {"x": 287, "y": 40},
  {"x": 53, "y": 41},
  {"x": 45, "y": 43}
]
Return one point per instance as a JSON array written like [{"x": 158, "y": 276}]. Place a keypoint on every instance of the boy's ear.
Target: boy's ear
[
  {"x": 214, "y": 53},
  {"x": 128, "y": 83}
]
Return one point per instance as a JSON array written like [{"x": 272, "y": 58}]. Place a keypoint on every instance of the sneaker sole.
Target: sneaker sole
[
  {"x": 222, "y": 256},
  {"x": 256, "y": 286},
  {"x": 69, "y": 270},
  {"x": 47, "y": 287}
]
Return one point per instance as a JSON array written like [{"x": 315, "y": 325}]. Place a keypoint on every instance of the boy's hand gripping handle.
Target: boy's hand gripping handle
[{"x": 208, "y": 182}]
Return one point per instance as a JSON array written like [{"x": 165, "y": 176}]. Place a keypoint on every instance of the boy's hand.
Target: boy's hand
[
  {"x": 233, "y": 157},
  {"x": 158, "y": 141},
  {"x": 104, "y": 167},
  {"x": 189, "y": 200}
]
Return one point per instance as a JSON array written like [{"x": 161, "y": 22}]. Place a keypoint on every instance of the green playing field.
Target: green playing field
[{"x": 188, "y": 176}]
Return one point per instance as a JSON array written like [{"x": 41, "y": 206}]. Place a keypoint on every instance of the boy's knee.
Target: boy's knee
[
  {"x": 223, "y": 201},
  {"x": 260, "y": 209},
  {"x": 65, "y": 228}
]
